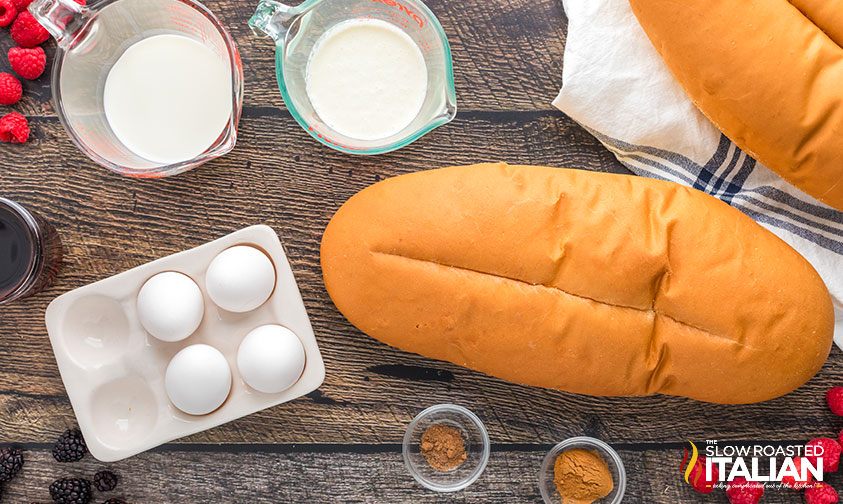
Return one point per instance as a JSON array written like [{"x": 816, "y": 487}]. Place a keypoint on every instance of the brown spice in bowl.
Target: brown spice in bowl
[
  {"x": 582, "y": 476},
  {"x": 443, "y": 447}
]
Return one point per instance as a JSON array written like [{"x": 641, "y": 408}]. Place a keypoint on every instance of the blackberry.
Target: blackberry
[
  {"x": 115, "y": 501},
  {"x": 11, "y": 460},
  {"x": 70, "y": 447},
  {"x": 105, "y": 481},
  {"x": 71, "y": 491}
]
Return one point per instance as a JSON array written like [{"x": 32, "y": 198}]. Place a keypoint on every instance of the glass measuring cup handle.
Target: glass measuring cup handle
[
  {"x": 66, "y": 20},
  {"x": 272, "y": 19}
]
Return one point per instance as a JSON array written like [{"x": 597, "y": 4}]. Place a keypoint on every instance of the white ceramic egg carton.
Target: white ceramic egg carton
[{"x": 114, "y": 370}]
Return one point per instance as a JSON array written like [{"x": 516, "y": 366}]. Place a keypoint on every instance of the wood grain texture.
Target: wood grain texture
[
  {"x": 347, "y": 474},
  {"x": 507, "y": 55},
  {"x": 118, "y": 223},
  {"x": 340, "y": 444}
]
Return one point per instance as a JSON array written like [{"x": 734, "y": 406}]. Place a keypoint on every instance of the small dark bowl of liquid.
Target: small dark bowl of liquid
[{"x": 30, "y": 252}]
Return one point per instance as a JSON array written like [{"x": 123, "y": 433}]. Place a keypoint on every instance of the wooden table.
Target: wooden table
[{"x": 342, "y": 442}]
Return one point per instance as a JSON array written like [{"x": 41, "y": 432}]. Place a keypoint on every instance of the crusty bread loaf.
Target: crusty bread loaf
[
  {"x": 826, "y": 14},
  {"x": 588, "y": 282},
  {"x": 767, "y": 75}
]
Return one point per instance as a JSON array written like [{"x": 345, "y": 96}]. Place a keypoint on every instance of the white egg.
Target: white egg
[
  {"x": 198, "y": 379},
  {"x": 170, "y": 306},
  {"x": 271, "y": 359},
  {"x": 240, "y": 279}
]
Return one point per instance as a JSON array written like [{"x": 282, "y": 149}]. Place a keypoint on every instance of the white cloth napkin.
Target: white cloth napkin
[{"x": 616, "y": 85}]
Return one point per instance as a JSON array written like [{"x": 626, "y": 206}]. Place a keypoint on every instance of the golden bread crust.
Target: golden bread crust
[
  {"x": 766, "y": 75},
  {"x": 588, "y": 282}
]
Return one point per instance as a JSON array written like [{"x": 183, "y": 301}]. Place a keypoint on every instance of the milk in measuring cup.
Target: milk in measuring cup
[
  {"x": 366, "y": 79},
  {"x": 168, "y": 98}
]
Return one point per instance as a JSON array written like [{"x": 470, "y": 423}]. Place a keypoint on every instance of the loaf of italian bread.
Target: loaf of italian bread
[
  {"x": 588, "y": 282},
  {"x": 768, "y": 73}
]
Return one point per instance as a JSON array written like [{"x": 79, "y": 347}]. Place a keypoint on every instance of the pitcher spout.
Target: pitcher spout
[
  {"x": 65, "y": 20},
  {"x": 273, "y": 19}
]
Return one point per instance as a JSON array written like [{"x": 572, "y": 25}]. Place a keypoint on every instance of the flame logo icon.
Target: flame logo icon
[{"x": 691, "y": 463}]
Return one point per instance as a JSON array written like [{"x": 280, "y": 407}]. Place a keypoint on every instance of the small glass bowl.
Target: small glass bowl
[
  {"x": 44, "y": 252},
  {"x": 476, "y": 448},
  {"x": 546, "y": 476}
]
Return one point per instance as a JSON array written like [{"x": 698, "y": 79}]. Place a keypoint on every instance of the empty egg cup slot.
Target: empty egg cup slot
[
  {"x": 123, "y": 412},
  {"x": 95, "y": 330},
  {"x": 115, "y": 370}
]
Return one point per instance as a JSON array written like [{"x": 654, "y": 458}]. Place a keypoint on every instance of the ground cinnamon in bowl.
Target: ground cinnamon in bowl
[
  {"x": 443, "y": 447},
  {"x": 582, "y": 476}
]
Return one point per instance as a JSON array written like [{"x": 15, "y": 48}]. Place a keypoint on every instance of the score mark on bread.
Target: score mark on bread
[{"x": 587, "y": 282}]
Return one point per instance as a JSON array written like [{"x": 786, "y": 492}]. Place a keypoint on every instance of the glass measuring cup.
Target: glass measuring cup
[
  {"x": 91, "y": 39},
  {"x": 296, "y": 30}
]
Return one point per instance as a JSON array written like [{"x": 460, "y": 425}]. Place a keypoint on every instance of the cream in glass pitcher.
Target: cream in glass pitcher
[
  {"x": 130, "y": 79},
  {"x": 361, "y": 76}
]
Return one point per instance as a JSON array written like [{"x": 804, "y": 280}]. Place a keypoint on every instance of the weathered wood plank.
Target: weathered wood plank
[
  {"x": 507, "y": 55},
  {"x": 110, "y": 223},
  {"x": 508, "y": 66},
  {"x": 357, "y": 405},
  {"x": 373, "y": 475},
  {"x": 277, "y": 175}
]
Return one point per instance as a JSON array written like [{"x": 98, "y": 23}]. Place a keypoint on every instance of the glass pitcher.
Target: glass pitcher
[
  {"x": 296, "y": 31},
  {"x": 91, "y": 39}
]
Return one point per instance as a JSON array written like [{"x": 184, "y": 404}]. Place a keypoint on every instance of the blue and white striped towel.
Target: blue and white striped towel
[{"x": 616, "y": 86}]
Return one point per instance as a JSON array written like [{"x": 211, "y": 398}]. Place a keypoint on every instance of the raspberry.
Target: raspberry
[
  {"x": 742, "y": 491},
  {"x": 830, "y": 454},
  {"x": 794, "y": 483},
  {"x": 14, "y": 128},
  {"x": 27, "y": 32},
  {"x": 834, "y": 397},
  {"x": 21, "y": 5},
  {"x": 10, "y": 89},
  {"x": 697, "y": 477},
  {"x": 8, "y": 12},
  {"x": 28, "y": 63},
  {"x": 820, "y": 493}
]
